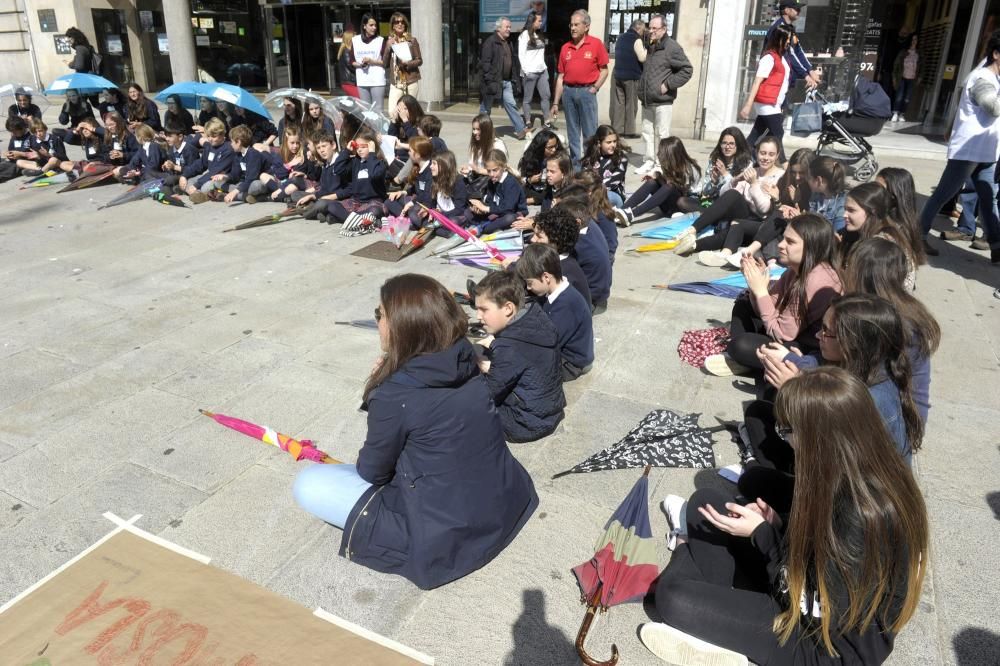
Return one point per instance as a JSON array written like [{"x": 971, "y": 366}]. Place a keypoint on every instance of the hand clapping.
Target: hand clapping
[{"x": 757, "y": 276}]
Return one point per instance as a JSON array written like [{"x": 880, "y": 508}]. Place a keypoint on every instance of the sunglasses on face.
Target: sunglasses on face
[{"x": 399, "y": 21}]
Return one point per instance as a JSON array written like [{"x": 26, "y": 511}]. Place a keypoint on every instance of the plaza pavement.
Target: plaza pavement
[{"x": 117, "y": 325}]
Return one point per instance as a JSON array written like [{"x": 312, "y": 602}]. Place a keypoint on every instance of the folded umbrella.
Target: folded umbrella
[
  {"x": 623, "y": 567},
  {"x": 140, "y": 191},
  {"x": 266, "y": 220},
  {"x": 298, "y": 449},
  {"x": 730, "y": 286},
  {"x": 92, "y": 175},
  {"x": 85, "y": 84},
  {"x": 454, "y": 227},
  {"x": 669, "y": 230},
  {"x": 45, "y": 180}
]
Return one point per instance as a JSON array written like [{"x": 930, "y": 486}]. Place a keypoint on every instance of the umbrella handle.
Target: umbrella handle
[{"x": 581, "y": 636}]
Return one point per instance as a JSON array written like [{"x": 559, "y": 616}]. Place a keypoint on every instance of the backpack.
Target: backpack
[{"x": 96, "y": 60}]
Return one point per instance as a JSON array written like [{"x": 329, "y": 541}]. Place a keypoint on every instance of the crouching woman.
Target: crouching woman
[{"x": 435, "y": 493}]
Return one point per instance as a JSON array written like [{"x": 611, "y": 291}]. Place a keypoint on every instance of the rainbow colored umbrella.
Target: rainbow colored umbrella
[
  {"x": 624, "y": 565},
  {"x": 298, "y": 449}
]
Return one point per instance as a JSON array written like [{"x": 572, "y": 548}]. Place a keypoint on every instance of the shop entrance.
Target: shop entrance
[{"x": 305, "y": 29}]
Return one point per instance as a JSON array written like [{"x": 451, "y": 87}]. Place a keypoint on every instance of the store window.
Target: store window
[
  {"x": 227, "y": 41},
  {"x": 111, "y": 33}
]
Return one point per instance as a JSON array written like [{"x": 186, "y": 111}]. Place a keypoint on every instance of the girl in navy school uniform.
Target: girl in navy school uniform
[
  {"x": 19, "y": 146},
  {"x": 147, "y": 162},
  {"x": 181, "y": 155},
  {"x": 607, "y": 156},
  {"x": 23, "y": 107},
  {"x": 450, "y": 194},
  {"x": 112, "y": 99},
  {"x": 286, "y": 171},
  {"x": 141, "y": 110},
  {"x": 315, "y": 122},
  {"x": 558, "y": 171},
  {"x": 209, "y": 110},
  {"x": 74, "y": 109},
  {"x": 544, "y": 145},
  {"x": 91, "y": 142},
  {"x": 405, "y": 127},
  {"x": 600, "y": 208},
  {"x": 177, "y": 116},
  {"x": 46, "y": 151},
  {"x": 419, "y": 188},
  {"x": 292, "y": 117},
  {"x": 362, "y": 201},
  {"x": 504, "y": 200},
  {"x": 214, "y": 165},
  {"x": 119, "y": 144}
]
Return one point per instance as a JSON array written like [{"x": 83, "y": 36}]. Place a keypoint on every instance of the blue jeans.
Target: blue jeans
[
  {"x": 615, "y": 199},
  {"x": 903, "y": 95},
  {"x": 970, "y": 201},
  {"x": 580, "y": 107},
  {"x": 509, "y": 105},
  {"x": 329, "y": 491},
  {"x": 955, "y": 175}
]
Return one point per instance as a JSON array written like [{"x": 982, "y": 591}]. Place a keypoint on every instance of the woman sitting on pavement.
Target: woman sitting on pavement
[
  {"x": 730, "y": 156},
  {"x": 836, "y": 581},
  {"x": 866, "y": 212},
  {"x": 435, "y": 493},
  {"x": 789, "y": 309},
  {"x": 674, "y": 176}
]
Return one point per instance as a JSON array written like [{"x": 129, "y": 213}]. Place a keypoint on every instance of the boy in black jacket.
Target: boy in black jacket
[
  {"x": 522, "y": 363},
  {"x": 570, "y": 313}
]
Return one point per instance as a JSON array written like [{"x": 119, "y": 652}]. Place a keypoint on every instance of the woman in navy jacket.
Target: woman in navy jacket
[{"x": 436, "y": 493}]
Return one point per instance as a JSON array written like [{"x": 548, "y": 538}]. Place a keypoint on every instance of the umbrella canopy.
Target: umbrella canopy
[
  {"x": 298, "y": 449},
  {"x": 730, "y": 286},
  {"x": 669, "y": 230},
  {"x": 188, "y": 91},
  {"x": 85, "y": 84},
  {"x": 224, "y": 92},
  {"x": 277, "y": 98},
  {"x": 266, "y": 220},
  {"x": 624, "y": 564},
  {"x": 366, "y": 114},
  {"x": 662, "y": 439},
  {"x": 93, "y": 173},
  {"x": 10, "y": 91}
]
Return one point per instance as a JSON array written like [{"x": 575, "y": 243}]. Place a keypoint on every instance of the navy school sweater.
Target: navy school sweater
[
  {"x": 52, "y": 144},
  {"x": 274, "y": 165},
  {"x": 367, "y": 179},
  {"x": 422, "y": 186},
  {"x": 148, "y": 158},
  {"x": 459, "y": 199},
  {"x": 215, "y": 160},
  {"x": 610, "y": 232},
  {"x": 570, "y": 314},
  {"x": 21, "y": 145},
  {"x": 505, "y": 197},
  {"x": 592, "y": 253},
  {"x": 247, "y": 168},
  {"x": 577, "y": 278},
  {"x": 126, "y": 143},
  {"x": 185, "y": 156}
]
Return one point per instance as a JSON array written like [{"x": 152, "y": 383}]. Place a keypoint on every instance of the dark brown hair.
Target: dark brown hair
[
  {"x": 677, "y": 167},
  {"x": 502, "y": 287},
  {"x": 422, "y": 317},
  {"x": 818, "y": 248},
  {"x": 479, "y": 150},
  {"x": 539, "y": 258},
  {"x": 560, "y": 227},
  {"x": 598, "y": 193},
  {"x": 847, "y": 470},
  {"x": 447, "y": 176},
  {"x": 903, "y": 209}
]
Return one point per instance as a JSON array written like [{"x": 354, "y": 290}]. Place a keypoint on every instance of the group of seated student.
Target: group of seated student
[{"x": 793, "y": 565}]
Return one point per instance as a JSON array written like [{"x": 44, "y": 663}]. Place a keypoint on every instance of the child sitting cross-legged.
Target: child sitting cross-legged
[
  {"x": 539, "y": 267},
  {"x": 215, "y": 164},
  {"x": 248, "y": 164},
  {"x": 521, "y": 363}
]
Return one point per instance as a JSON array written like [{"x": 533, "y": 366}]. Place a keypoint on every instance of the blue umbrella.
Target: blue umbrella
[
  {"x": 85, "y": 84},
  {"x": 188, "y": 91},
  {"x": 224, "y": 92}
]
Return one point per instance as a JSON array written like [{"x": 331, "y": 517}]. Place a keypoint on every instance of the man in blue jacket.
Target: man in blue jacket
[{"x": 795, "y": 58}]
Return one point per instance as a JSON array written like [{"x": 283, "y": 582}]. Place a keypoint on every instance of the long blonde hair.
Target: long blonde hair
[
  {"x": 345, "y": 43},
  {"x": 847, "y": 469}
]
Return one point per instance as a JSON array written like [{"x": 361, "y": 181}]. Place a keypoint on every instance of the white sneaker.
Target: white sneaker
[
  {"x": 623, "y": 217},
  {"x": 675, "y": 507},
  {"x": 645, "y": 168},
  {"x": 716, "y": 259},
  {"x": 676, "y": 647},
  {"x": 685, "y": 244},
  {"x": 736, "y": 259},
  {"x": 721, "y": 365}
]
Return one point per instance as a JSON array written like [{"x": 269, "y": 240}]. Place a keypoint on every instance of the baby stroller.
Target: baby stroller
[{"x": 843, "y": 134}]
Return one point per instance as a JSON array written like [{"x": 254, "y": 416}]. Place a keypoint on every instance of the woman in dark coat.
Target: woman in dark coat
[
  {"x": 83, "y": 52},
  {"x": 436, "y": 493}
]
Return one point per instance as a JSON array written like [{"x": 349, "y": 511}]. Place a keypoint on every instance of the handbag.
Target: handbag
[
  {"x": 475, "y": 185},
  {"x": 807, "y": 118}
]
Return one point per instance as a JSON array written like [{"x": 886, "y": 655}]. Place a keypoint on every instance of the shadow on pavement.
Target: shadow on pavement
[
  {"x": 535, "y": 640},
  {"x": 976, "y": 647}
]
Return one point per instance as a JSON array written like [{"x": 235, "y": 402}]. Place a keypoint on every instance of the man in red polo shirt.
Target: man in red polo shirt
[{"x": 583, "y": 68}]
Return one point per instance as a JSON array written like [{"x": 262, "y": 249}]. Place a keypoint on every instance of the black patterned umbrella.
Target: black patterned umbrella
[{"x": 662, "y": 439}]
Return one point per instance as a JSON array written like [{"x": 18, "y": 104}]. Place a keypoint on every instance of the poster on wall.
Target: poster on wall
[
  {"x": 206, "y": 23},
  {"x": 47, "y": 20},
  {"x": 227, "y": 27},
  {"x": 146, "y": 20},
  {"x": 202, "y": 40},
  {"x": 63, "y": 45},
  {"x": 162, "y": 43},
  {"x": 337, "y": 31},
  {"x": 114, "y": 45},
  {"x": 491, "y": 10}
]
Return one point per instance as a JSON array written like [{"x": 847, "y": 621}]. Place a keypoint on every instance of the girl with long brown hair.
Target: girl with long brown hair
[
  {"x": 419, "y": 184},
  {"x": 866, "y": 214},
  {"x": 675, "y": 175},
  {"x": 789, "y": 309},
  {"x": 435, "y": 493},
  {"x": 140, "y": 109},
  {"x": 835, "y": 580},
  {"x": 482, "y": 142},
  {"x": 119, "y": 142}
]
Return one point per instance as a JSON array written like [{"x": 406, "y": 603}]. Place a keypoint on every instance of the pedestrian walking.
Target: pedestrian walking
[
  {"x": 905, "y": 70},
  {"x": 583, "y": 69},
  {"x": 401, "y": 60},
  {"x": 496, "y": 66},
  {"x": 666, "y": 69},
  {"x": 795, "y": 57},
  {"x": 630, "y": 53},
  {"x": 366, "y": 51},
  {"x": 531, "y": 54}
]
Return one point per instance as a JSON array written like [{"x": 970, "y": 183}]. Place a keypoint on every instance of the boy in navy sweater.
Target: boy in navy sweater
[
  {"x": 504, "y": 200},
  {"x": 521, "y": 364},
  {"x": 330, "y": 176},
  {"x": 430, "y": 127},
  {"x": 181, "y": 156},
  {"x": 19, "y": 146},
  {"x": 591, "y": 251},
  {"x": 559, "y": 229},
  {"x": 540, "y": 269},
  {"x": 215, "y": 164},
  {"x": 45, "y": 151},
  {"x": 248, "y": 164},
  {"x": 146, "y": 162}
]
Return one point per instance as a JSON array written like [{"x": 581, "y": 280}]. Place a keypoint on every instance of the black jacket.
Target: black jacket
[
  {"x": 525, "y": 377},
  {"x": 447, "y": 494},
  {"x": 491, "y": 59}
]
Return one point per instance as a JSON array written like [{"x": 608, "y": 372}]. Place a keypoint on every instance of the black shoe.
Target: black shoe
[
  {"x": 71, "y": 176},
  {"x": 930, "y": 249},
  {"x": 313, "y": 210},
  {"x": 995, "y": 256},
  {"x": 470, "y": 286},
  {"x": 31, "y": 173}
]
